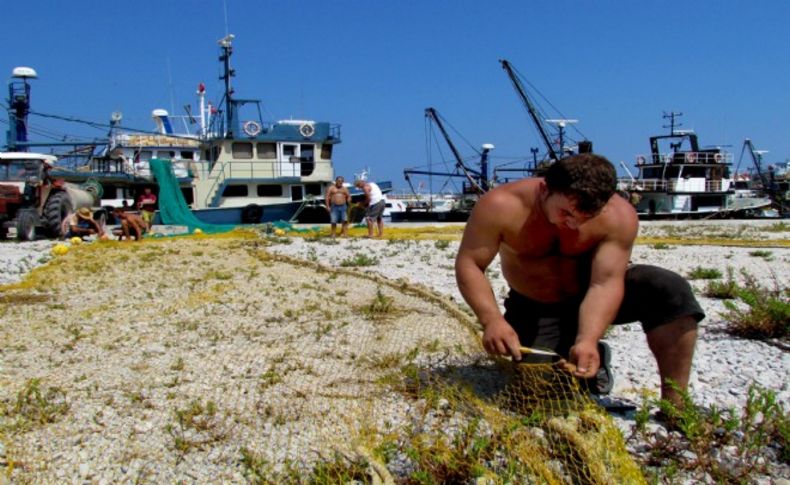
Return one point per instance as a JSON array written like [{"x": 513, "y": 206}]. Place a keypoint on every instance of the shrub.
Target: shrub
[
  {"x": 359, "y": 259},
  {"x": 767, "y": 312},
  {"x": 722, "y": 290},
  {"x": 700, "y": 273}
]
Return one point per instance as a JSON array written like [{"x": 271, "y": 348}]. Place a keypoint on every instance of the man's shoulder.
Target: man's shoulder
[
  {"x": 620, "y": 218},
  {"x": 512, "y": 195}
]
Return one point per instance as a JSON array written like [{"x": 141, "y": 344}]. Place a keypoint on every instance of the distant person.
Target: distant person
[
  {"x": 147, "y": 206},
  {"x": 337, "y": 200},
  {"x": 81, "y": 224},
  {"x": 130, "y": 225},
  {"x": 564, "y": 243},
  {"x": 374, "y": 202}
]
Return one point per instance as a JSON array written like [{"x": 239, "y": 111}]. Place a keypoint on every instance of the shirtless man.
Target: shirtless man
[
  {"x": 337, "y": 200},
  {"x": 564, "y": 243},
  {"x": 130, "y": 224}
]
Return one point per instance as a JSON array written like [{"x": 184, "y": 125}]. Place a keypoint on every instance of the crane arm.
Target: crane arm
[{"x": 533, "y": 113}]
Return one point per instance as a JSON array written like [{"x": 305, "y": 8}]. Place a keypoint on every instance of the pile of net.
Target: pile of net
[{"x": 241, "y": 365}]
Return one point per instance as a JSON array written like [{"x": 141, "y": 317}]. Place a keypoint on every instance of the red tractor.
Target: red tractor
[{"x": 31, "y": 201}]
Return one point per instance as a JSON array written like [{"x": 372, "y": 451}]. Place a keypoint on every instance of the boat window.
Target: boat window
[
  {"x": 242, "y": 150},
  {"x": 188, "y": 195},
  {"x": 235, "y": 191},
  {"x": 270, "y": 191},
  {"x": 307, "y": 152},
  {"x": 296, "y": 192},
  {"x": 326, "y": 151},
  {"x": 267, "y": 151},
  {"x": 312, "y": 189},
  {"x": 187, "y": 155},
  {"x": 289, "y": 151},
  {"x": 144, "y": 155},
  {"x": 167, "y": 155}
]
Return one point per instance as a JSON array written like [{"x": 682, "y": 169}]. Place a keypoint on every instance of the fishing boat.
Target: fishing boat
[
  {"x": 235, "y": 169},
  {"x": 678, "y": 179}
]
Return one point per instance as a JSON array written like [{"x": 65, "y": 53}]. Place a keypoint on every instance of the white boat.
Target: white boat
[{"x": 686, "y": 181}]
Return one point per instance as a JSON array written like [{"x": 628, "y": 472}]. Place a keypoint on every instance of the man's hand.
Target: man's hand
[
  {"x": 500, "y": 338},
  {"x": 584, "y": 355}
]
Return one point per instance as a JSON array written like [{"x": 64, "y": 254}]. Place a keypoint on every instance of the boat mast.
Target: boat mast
[{"x": 227, "y": 49}]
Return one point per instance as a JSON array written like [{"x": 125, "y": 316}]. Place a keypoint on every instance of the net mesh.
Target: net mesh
[{"x": 245, "y": 365}]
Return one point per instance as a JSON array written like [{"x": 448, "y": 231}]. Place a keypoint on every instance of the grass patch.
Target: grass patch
[
  {"x": 34, "y": 405},
  {"x": 700, "y": 273},
  {"x": 727, "y": 445},
  {"x": 763, "y": 313},
  {"x": 722, "y": 290},
  {"x": 358, "y": 260}
]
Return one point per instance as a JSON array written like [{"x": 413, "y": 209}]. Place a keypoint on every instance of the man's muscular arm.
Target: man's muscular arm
[
  {"x": 479, "y": 246},
  {"x": 605, "y": 293}
]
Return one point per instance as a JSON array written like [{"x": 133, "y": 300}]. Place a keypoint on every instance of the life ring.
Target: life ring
[
  {"x": 251, "y": 214},
  {"x": 307, "y": 130},
  {"x": 252, "y": 128},
  {"x": 717, "y": 158},
  {"x": 640, "y": 160},
  {"x": 691, "y": 157}
]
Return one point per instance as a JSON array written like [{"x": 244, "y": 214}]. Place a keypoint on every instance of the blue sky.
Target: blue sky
[{"x": 374, "y": 66}]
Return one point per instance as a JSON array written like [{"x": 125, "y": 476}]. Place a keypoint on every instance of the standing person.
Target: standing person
[
  {"x": 131, "y": 224},
  {"x": 337, "y": 200},
  {"x": 147, "y": 206},
  {"x": 564, "y": 243},
  {"x": 374, "y": 201},
  {"x": 81, "y": 224}
]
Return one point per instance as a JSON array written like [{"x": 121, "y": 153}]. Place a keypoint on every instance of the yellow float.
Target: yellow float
[{"x": 60, "y": 249}]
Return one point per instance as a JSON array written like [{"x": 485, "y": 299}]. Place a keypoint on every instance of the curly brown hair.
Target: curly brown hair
[{"x": 587, "y": 178}]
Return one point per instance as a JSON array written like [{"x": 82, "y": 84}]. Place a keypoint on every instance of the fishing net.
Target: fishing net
[
  {"x": 173, "y": 208},
  {"x": 245, "y": 365}
]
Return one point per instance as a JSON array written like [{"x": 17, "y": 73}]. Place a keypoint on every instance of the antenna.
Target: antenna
[
  {"x": 671, "y": 117},
  {"x": 561, "y": 124}
]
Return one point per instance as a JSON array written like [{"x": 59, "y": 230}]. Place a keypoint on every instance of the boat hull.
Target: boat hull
[{"x": 252, "y": 214}]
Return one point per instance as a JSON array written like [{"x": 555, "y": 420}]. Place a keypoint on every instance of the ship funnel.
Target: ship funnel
[{"x": 162, "y": 120}]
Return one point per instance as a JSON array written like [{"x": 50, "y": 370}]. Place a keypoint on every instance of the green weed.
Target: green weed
[
  {"x": 700, "y": 273},
  {"x": 359, "y": 259},
  {"x": 34, "y": 405},
  {"x": 722, "y": 290},
  {"x": 729, "y": 446},
  {"x": 767, "y": 312}
]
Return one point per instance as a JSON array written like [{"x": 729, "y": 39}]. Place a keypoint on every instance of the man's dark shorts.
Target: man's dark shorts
[
  {"x": 376, "y": 210},
  {"x": 653, "y": 296}
]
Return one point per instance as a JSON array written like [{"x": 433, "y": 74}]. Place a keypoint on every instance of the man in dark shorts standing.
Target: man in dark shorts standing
[
  {"x": 564, "y": 243},
  {"x": 374, "y": 201},
  {"x": 337, "y": 199}
]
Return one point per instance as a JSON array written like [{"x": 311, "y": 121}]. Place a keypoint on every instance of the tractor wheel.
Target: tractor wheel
[
  {"x": 26, "y": 226},
  {"x": 57, "y": 208}
]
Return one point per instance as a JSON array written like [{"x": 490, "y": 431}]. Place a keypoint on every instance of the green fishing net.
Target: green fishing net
[{"x": 173, "y": 209}]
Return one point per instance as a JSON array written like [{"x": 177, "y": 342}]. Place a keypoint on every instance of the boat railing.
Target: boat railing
[
  {"x": 305, "y": 170},
  {"x": 708, "y": 158},
  {"x": 694, "y": 184}
]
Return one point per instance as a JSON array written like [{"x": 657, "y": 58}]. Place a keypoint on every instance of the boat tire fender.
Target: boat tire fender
[
  {"x": 251, "y": 214},
  {"x": 691, "y": 157},
  {"x": 717, "y": 158},
  {"x": 640, "y": 160},
  {"x": 251, "y": 128}
]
